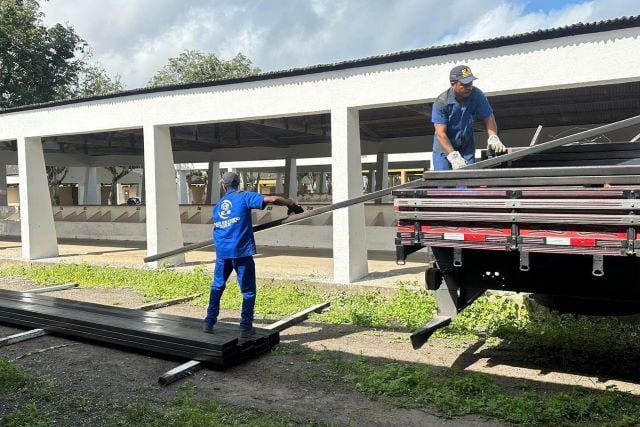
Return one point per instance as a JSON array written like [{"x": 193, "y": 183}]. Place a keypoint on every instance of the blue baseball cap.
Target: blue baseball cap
[
  {"x": 231, "y": 179},
  {"x": 462, "y": 74}
]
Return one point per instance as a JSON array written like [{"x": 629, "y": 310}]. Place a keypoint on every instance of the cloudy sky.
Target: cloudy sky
[{"x": 135, "y": 38}]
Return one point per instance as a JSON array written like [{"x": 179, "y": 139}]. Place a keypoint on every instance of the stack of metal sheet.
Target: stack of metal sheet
[{"x": 160, "y": 334}]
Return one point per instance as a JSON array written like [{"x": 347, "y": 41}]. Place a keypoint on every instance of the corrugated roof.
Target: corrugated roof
[{"x": 409, "y": 55}]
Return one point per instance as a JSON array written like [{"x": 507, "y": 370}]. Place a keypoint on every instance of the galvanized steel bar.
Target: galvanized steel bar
[{"x": 22, "y": 336}]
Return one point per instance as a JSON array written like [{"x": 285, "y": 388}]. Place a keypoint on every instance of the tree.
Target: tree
[
  {"x": 193, "y": 66},
  {"x": 40, "y": 64},
  {"x": 93, "y": 80},
  {"x": 55, "y": 176},
  {"x": 115, "y": 177},
  {"x": 37, "y": 64}
]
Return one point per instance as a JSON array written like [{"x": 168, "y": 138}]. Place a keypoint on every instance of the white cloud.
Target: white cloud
[{"x": 135, "y": 38}]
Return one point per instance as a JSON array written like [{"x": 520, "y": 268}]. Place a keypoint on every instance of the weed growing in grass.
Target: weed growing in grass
[
  {"x": 409, "y": 309},
  {"x": 29, "y": 417},
  {"x": 188, "y": 411},
  {"x": 12, "y": 378},
  {"x": 450, "y": 393}
]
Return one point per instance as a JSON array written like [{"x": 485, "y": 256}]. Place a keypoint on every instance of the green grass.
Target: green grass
[
  {"x": 46, "y": 405},
  {"x": 490, "y": 316},
  {"x": 571, "y": 341},
  {"x": 449, "y": 394}
]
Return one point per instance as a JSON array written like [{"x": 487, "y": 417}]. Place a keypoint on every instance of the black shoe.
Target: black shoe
[
  {"x": 248, "y": 333},
  {"x": 207, "y": 328}
]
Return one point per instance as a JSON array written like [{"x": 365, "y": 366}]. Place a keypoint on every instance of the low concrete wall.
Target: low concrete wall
[{"x": 122, "y": 223}]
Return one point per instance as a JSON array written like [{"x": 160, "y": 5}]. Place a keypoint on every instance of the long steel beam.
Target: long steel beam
[
  {"x": 632, "y": 121},
  {"x": 428, "y": 175}
]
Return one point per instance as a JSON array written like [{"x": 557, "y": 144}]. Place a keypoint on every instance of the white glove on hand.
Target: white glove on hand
[
  {"x": 494, "y": 143},
  {"x": 456, "y": 160}
]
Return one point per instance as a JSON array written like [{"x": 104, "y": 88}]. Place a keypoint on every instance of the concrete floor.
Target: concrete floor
[{"x": 314, "y": 265}]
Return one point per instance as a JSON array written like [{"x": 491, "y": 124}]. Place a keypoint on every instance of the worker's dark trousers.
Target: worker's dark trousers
[{"x": 246, "y": 271}]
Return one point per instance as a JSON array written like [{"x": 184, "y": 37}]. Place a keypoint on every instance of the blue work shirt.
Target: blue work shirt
[
  {"x": 232, "y": 226},
  {"x": 459, "y": 119}
]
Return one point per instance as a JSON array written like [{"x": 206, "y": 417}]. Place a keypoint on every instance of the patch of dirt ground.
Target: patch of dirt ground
[{"x": 286, "y": 381}]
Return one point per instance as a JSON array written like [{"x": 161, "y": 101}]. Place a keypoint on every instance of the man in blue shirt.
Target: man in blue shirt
[
  {"x": 454, "y": 112},
  {"x": 235, "y": 247}
]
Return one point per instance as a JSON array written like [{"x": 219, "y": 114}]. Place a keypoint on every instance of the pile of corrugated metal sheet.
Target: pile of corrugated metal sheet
[{"x": 159, "y": 334}]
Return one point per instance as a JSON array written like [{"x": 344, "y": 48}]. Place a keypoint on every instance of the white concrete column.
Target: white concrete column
[
  {"x": 324, "y": 188},
  {"x": 91, "y": 188},
  {"x": 143, "y": 190},
  {"x": 183, "y": 187},
  {"x": 213, "y": 184},
  {"x": 279, "y": 183},
  {"x": 382, "y": 174},
  {"x": 164, "y": 231},
  {"x": 119, "y": 195},
  {"x": 290, "y": 178},
  {"x": 38, "y": 232},
  {"x": 371, "y": 179},
  {"x": 3, "y": 185},
  {"x": 349, "y": 246}
]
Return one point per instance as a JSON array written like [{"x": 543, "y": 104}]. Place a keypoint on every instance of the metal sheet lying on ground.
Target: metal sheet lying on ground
[{"x": 161, "y": 334}]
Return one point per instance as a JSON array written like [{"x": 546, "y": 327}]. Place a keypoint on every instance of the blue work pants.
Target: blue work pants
[
  {"x": 246, "y": 271},
  {"x": 440, "y": 162}
]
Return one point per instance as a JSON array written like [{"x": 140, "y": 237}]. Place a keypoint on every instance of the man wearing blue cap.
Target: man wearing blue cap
[
  {"x": 235, "y": 247},
  {"x": 453, "y": 114}
]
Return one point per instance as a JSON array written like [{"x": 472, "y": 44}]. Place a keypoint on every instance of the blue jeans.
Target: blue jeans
[{"x": 246, "y": 271}]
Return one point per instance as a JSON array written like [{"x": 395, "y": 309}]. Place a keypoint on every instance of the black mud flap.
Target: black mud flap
[{"x": 420, "y": 336}]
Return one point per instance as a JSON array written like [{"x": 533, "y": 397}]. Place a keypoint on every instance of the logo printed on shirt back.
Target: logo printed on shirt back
[{"x": 225, "y": 209}]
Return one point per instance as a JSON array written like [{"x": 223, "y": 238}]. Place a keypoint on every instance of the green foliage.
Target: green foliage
[
  {"x": 193, "y": 66},
  {"x": 453, "y": 394},
  {"x": 12, "y": 378},
  {"x": 37, "y": 64},
  {"x": 29, "y": 417},
  {"x": 157, "y": 284},
  {"x": 40, "y": 64},
  {"x": 93, "y": 80},
  {"x": 189, "y": 412},
  {"x": 492, "y": 315},
  {"x": 408, "y": 309}
]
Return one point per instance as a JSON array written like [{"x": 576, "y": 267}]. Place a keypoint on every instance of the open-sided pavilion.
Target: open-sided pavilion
[{"x": 578, "y": 76}]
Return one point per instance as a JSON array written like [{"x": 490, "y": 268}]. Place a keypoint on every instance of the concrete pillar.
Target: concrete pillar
[
  {"x": 324, "y": 187},
  {"x": 119, "y": 195},
  {"x": 213, "y": 184},
  {"x": 3, "y": 185},
  {"x": 90, "y": 194},
  {"x": 164, "y": 230},
  {"x": 349, "y": 246},
  {"x": 38, "y": 232},
  {"x": 183, "y": 187},
  {"x": 279, "y": 183},
  {"x": 143, "y": 191},
  {"x": 290, "y": 179},
  {"x": 382, "y": 174},
  {"x": 371, "y": 179}
]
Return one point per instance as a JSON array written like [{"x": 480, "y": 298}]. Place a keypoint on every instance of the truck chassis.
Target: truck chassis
[{"x": 567, "y": 234}]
